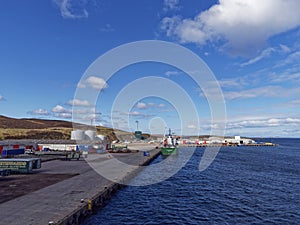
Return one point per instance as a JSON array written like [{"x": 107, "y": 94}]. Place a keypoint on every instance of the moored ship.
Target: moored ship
[{"x": 169, "y": 145}]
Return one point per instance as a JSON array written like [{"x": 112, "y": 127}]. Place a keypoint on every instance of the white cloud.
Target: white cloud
[
  {"x": 141, "y": 105},
  {"x": 94, "y": 82},
  {"x": 92, "y": 116},
  {"x": 284, "y": 77},
  {"x": 263, "y": 122},
  {"x": 293, "y": 104},
  {"x": 191, "y": 126},
  {"x": 171, "y": 5},
  {"x": 234, "y": 82},
  {"x": 63, "y": 115},
  {"x": 264, "y": 125},
  {"x": 154, "y": 105},
  {"x": 78, "y": 102},
  {"x": 264, "y": 54},
  {"x": 292, "y": 58},
  {"x": 292, "y": 120},
  {"x": 270, "y": 91},
  {"x": 281, "y": 49},
  {"x": 172, "y": 73},
  {"x": 60, "y": 109},
  {"x": 285, "y": 49},
  {"x": 62, "y": 112},
  {"x": 243, "y": 26},
  {"x": 136, "y": 114},
  {"x": 2, "y": 98},
  {"x": 107, "y": 28},
  {"x": 72, "y": 9},
  {"x": 39, "y": 112},
  {"x": 86, "y": 115}
]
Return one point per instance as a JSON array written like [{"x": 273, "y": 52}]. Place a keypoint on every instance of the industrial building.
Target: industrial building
[{"x": 80, "y": 141}]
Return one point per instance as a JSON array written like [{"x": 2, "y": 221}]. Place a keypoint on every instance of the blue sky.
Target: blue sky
[{"x": 252, "y": 47}]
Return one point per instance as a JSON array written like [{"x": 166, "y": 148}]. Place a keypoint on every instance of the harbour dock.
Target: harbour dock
[
  {"x": 71, "y": 200},
  {"x": 229, "y": 145}
]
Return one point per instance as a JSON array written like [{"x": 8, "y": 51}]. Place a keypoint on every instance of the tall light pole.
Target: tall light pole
[
  {"x": 93, "y": 117},
  {"x": 137, "y": 125}
]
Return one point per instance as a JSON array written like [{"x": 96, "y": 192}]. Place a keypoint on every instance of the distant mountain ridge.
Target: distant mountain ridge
[
  {"x": 31, "y": 128},
  {"x": 32, "y": 123}
]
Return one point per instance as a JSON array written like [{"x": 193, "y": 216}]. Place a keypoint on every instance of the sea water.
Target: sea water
[{"x": 243, "y": 185}]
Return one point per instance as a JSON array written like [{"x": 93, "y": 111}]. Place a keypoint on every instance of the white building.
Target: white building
[{"x": 238, "y": 140}]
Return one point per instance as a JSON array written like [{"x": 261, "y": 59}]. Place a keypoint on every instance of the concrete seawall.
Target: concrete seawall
[{"x": 70, "y": 201}]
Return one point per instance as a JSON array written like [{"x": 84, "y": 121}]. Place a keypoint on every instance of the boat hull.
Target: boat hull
[{"x": 168, "y": 151}]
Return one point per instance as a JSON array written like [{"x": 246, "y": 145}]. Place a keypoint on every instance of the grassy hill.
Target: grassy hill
[{"x": 11, "y": 128}]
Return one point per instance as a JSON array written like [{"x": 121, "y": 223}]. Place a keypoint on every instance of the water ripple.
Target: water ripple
[{"x": 242, "y": 186}]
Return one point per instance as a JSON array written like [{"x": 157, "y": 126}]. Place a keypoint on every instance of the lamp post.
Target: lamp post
[{"x": 137, "y": 125}]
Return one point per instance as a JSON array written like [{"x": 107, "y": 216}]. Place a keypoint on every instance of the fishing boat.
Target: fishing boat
[{"x": 169, "y": 145}]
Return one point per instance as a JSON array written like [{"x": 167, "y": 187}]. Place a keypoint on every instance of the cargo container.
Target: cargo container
[
  {"x": 36, "y": 163},
  {"x": 11, "y": 152},
  {"x": 57, "y": 147},
  {"x": 4, "y": 173},
  {"x": 17, "y": 165}
]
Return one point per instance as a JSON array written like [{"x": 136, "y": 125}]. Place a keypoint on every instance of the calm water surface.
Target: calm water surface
[{"x": 244, "y": 185}]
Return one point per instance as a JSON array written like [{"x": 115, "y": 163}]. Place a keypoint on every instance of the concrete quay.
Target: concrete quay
[
  {"x": 70, "y": 201},
  {"x": 229, "y": 145}
]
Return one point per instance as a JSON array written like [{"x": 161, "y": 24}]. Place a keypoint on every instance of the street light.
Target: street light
[{"x": 137, "y": 125}]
